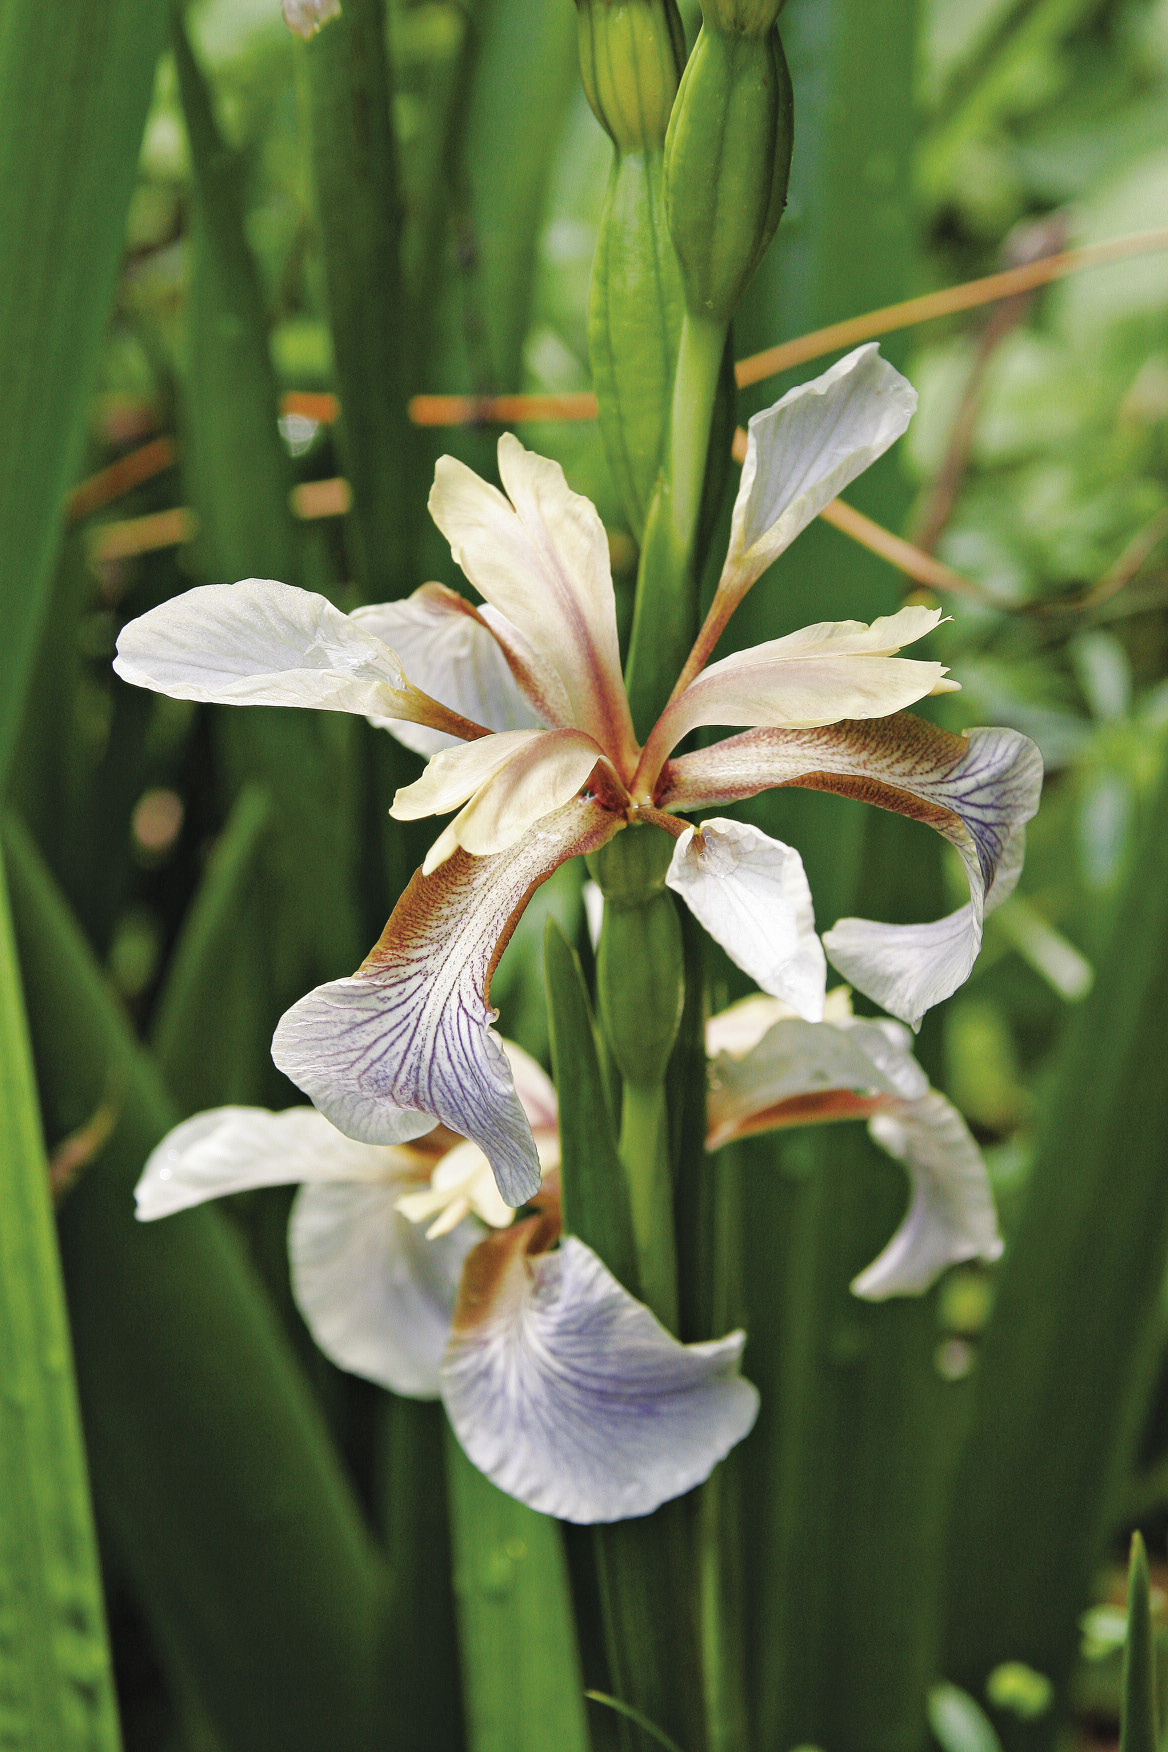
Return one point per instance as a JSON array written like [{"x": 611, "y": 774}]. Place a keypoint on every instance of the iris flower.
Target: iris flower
[
  {"x": 520, "y": 706},
  {"x": 562, "y": 1388}
]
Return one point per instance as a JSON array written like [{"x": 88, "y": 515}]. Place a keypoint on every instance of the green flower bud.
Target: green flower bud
[
  {"x": 631, "y": 56},
  {"x": 640, "y": 968},
  {"x": 635, "y": 306},
  {"x": 727, "y": 160},
  {"x": 741, "y": 17}
]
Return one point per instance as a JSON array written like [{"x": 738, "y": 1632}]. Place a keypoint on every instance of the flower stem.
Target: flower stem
[
  {"x": 644, "y": 1147},
  {"x": 666, "y": 614}
]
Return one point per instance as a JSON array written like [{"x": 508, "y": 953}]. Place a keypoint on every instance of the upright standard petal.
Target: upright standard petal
[
  {"x": 262, "y": 643},
  {"x": 571, "y": 1396},
  {"x": 951, "y": 1214},
  {"x": 818, "y": 675},
  {"x": 407, "y": 1040},
  {"x": 448, "y": 650},
  {"x": 751, "y": 894},
  {"x": 976, "y": 790},
  {"x": 541, "y": 560},
  {"x": 236, "y": 1149},
  {"x": 806, "y": 449},
  {"x": 376, "y": 1294}
]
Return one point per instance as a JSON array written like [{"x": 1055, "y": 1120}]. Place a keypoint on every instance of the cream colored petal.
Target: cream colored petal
[
  {"x": 262, "y": 643},
  {"x": 376, "y": 1295},
  {"x": 818, "y": 675},
  {"x": 739, "y": 1028},
  {"x": 569, "y": 1395},
  {"x": 541, "y": 560},
  {"x": 448, "y": 651},
  {"x": 236, "y": 1149},
  {"x": 529, "y": 788},
  {"x": 305, "y": 17},
  {"x": 804, "y": 450},
  {"x": 407, "y": 1040},
  {"x": 977, "y": 790},
  {"x": 456, "y": 773},
  {"x": 751, "y": 894},
  {"x": 951, "y": 1214}
]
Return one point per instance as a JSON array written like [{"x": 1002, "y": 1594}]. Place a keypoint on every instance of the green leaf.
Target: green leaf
[
  {"x": 1075, "y": 1322},
  {"x": 521, "y": 1673},
  {"x": 75, "y": 83},
  {"x": 56, "y": 1684},
  {"x": 1138, "y": 1716},
  {"x": 595, "y": 1192},
  {"x": 239, "y": 480},
  {"x": 214, "y": 1476},
  {"x": 210, "y": 994},
  {"x": 359, "y": 213}
]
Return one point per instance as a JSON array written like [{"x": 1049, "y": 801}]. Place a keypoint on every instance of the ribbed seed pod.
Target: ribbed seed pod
[
  {"x": 640, "y": 978},
  {"x": 631, "y": 56},
  {"x": 727, "y": 160}
]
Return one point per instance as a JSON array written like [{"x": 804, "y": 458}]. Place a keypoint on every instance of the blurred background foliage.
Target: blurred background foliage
[{"x": 196, "y": 870}]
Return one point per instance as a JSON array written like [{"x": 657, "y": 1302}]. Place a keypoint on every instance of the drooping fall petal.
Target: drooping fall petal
[
  {"x": 262, "y": 643},
  {"x": 407, "y": 1039},
  {"x": 447, "y": 650},
  {"x": 779, "y": 1070},
  {"x": 540, "y": 558},
  {"x": 235, "y": 1149},
  {"x": 951, "y": 1214},
  {"x": 977, "y": 790},
  {"x": 375, "y": 1293},
  {"x": 797, "y": 1073},
  {"x": 803, "y": 451},
  {"x": 570, "y": 1395},
  {"x": 750, "y": 892},
  {"x": 512, "y": 781}
]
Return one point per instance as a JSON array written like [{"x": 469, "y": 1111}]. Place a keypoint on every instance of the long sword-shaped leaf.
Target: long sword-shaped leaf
[
  {"x": 1138, "y": 1724},
  {"x": 56, "y": 1688},
  {"x": 1063, "y": 1376},
  {"x": 521, "y": 1673},
  {"x": 74, "y": 85},
  {"x": 239, "y": 481},
  {"x": 212, "y": 1471},
  {"x": 846, "y": 1468},
  {"x": 360, "y": 218}
]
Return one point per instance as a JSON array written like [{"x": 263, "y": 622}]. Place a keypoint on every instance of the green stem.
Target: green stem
[
  {"x": 666, "y": 614},
  {"x": 644, "y": 1147}
]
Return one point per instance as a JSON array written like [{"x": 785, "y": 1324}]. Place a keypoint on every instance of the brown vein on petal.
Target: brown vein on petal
[
  {"x": 487, "y": 1274},
  {"x": 820, "y": 1108}
]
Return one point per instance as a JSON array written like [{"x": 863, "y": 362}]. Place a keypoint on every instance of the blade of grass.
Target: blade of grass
[
  {"x": 1075, "y": 1321},
  {"x": 213, "y": 1474},
  {"x": 521, "y": 1675},
  {"x": 56, "y": 1686},
  {"x": 75, "y": 83}
]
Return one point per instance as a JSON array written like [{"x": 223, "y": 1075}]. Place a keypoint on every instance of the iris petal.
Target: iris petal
[
  {"x": 407, "y": 1040},
  {"x": 570, "y": 1395}
]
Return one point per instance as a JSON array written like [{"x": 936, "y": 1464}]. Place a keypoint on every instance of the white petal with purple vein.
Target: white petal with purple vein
[
  {"x": 407, "y": 1040},
  {"x": 376, "y": 1295},
  {"x": 235, "y": 1149},
  {"x": 751, "y": 894},
  {"x": 569, "y": 1395},
  {"x": 951, "y": 1214}
]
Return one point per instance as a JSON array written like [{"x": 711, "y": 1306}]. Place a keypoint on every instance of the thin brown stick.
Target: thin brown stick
[{"x": 1007, "y": 284}]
